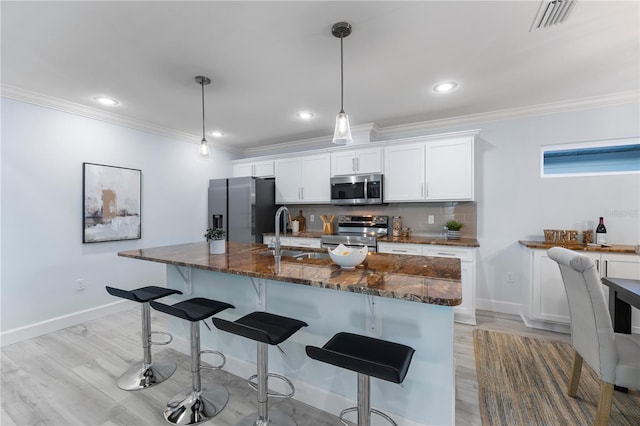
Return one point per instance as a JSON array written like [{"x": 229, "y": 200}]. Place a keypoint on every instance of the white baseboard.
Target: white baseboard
[
  {"x": 546, "y": 325},
  {"x": 306, "y": 393},
  {"x": 43, "y": 327},
  {"x": 498, "y": 306}
]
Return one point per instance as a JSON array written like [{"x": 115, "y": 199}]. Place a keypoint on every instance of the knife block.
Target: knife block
[{"x": 327, "y": 228}]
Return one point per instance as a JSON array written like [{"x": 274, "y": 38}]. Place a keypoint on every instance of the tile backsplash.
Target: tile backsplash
[{"x": 414, "y": 215}]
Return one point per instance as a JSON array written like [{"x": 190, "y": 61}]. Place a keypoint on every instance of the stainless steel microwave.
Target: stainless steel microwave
[{"x": 356, "y": 189}]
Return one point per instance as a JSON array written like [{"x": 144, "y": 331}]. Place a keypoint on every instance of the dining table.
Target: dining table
[{"x": 623, "y": 294}]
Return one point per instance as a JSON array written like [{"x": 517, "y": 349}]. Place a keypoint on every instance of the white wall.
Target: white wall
[
  {"x": 515, "y": 203},
  {"x": 42, "y": 252}
]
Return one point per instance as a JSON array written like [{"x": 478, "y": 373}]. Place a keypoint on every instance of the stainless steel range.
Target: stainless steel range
[{"x": 356, "y": 231}]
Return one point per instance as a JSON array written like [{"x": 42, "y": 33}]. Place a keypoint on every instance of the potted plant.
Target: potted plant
[
  {"x": 215, "y": 236},
  {"x": 453, "y": 229}
]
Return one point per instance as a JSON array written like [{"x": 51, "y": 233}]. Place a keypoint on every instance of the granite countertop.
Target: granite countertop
[
  {"x": 462, "y": 242},
  {"x": 432, "y": 280},
  {"x": 614, "y": 248}
]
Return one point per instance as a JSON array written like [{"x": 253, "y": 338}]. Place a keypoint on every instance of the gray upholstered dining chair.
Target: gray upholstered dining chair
[{"x": 614, "y": 357}]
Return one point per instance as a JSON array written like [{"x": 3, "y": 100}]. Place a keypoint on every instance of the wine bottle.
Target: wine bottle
[{"x": 601, "y": 233}]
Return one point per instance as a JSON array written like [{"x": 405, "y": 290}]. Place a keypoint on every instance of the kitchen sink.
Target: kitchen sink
[{"x": 298, "y": 254}]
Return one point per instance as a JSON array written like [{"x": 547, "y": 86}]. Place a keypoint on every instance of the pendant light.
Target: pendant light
[
  {"x": 342, "y": 133},
  {"x": 204, "y": 145}
]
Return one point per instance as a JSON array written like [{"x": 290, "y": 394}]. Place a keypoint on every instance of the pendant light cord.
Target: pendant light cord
[
  {"x": 202, "y": 84},
  {"x": 341, "y": 77}
]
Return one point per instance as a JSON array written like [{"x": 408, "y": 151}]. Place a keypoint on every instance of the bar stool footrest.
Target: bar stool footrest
[
  {"x": 372, "y": 411},
  {"x": 214, "y": 367},
  {"x": 254, "y": 385},
  {"x": 169, "y": 335}
]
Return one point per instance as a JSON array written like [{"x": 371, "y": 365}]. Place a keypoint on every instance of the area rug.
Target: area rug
[{"x": 523, "y": 381}]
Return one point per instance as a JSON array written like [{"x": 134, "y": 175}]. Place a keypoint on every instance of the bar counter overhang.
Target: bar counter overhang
[{"x": 406, "y": 299}]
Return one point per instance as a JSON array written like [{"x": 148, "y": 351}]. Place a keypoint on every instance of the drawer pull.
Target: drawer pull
[
  {"x": 442, "y": 253},
  {"x": 398, "y": 251}
]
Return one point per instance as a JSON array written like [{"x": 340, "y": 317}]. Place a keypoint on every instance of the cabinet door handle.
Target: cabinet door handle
[
  {"x": 357, "y": 164},
  {"x": 598, "y": 265},
  {"x": 253, "y": 170},
  {"x": 302, "y": 193},
  {"x": 442, "y": 253},
  {"x": 398, "y": 251},
  {"x": 304, "y": 244},
  {"x": 422, "y": 190},
  {"x": 605, "y": 267},
  {"x": 353, "y": 164}
]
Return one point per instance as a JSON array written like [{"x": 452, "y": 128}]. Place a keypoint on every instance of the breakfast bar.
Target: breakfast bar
[{"x": 404, "y": 299}]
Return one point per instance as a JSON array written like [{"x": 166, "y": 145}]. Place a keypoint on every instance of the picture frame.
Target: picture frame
[{"x": 111, "y": 203}]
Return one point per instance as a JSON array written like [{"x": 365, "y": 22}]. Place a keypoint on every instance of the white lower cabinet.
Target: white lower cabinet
[
  {"x": 294, "y": 241},
  {"x": 547, "y": 306},
  {"x": 466, "y": 311}
]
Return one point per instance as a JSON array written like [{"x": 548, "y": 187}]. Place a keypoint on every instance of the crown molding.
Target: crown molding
[
  {"x": 35, "y": 98},
  {"x": 418, "y": 128},
  {"x": 422, "y": 128},
  {"x": 377, "y": 133}
]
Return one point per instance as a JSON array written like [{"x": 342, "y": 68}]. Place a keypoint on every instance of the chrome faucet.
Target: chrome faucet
[{"x": 276, "y": 241}]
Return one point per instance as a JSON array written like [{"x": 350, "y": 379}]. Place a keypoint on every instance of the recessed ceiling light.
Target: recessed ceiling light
[
  {"x": 305, "y": 115},
  {"x": 105, "y": 100},
  {"x": 217, "y": 134},
  {"x": 446, "y": 86}
]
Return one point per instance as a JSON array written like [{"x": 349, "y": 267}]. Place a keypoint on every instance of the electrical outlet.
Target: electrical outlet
[
  {"x": 80, "y": 284},
  {"x": 430, "y": 219},
  {"x": 312, "y": 218},
  {"x": 510, "y": 278}
]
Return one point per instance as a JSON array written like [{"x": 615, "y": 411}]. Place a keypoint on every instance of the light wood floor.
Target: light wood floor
[{"x": 68, "y": 377}]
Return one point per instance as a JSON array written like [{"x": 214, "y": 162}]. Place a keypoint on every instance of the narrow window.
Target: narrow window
[{"x": 592, "y": 158}]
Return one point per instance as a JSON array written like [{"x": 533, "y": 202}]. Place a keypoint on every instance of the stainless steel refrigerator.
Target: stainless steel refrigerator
[{"x": 243, "y": 206}]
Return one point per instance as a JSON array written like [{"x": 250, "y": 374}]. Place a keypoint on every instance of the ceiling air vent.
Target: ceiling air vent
[{"x": 552, "y": 13}]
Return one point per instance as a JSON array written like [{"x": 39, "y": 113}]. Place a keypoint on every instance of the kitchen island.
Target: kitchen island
[{"x": 406, "y": 299}]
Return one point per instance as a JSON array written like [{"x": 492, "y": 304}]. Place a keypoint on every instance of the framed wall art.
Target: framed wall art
[{"x": 111, "y": 203}]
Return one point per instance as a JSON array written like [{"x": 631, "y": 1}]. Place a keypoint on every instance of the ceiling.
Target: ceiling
[{"x": 269, "y": 60}]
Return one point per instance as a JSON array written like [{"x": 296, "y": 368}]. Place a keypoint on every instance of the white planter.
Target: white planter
[
  {"x": 453, "y": 235},
  {"x": 217, "y": 246}
]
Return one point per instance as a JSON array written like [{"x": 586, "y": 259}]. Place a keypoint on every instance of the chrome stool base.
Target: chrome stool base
[
  {"x": 142, "y": 375},
  {"x": 277, "y": 417},
  {"x": 190, "y": 407},
  {"x": 371, "y": 411}
]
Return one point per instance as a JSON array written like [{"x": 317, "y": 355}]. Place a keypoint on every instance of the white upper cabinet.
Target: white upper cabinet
[
  {"x": 262, "y": 168},
  {"x": 436, "y": 170},
  {"x": 303, "y": 180},
  {"x": 404, "y": 173},
  {"x": 449, "y": 170},
  {"x": 361, "y": 161},
  {"x": 288, "y": 178}
]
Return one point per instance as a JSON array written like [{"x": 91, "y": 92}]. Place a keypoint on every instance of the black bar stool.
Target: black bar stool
[
  {"x": 146, "y": 373},
  {"x": 266, "y": 329},
  {"x": 368, "y": 357},
  {"x": 196, "y": 404}
]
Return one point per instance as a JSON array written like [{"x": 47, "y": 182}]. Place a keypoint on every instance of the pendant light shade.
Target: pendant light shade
[
  {"x": 342, "y": 133},
  {"x": 204, "y": 145}
]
